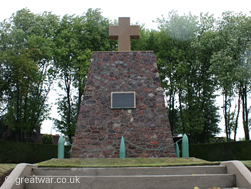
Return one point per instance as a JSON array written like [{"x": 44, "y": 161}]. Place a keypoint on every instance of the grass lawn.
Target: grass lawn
[
  {"x": 128, "y": 162},
  {"x": 248, "y": 164},
  {"x": 5, "y": 170},
  {"x": 5, "y": 167}
]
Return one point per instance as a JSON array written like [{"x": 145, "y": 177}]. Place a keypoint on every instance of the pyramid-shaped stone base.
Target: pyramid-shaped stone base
[{"x": 144, "y": 128}]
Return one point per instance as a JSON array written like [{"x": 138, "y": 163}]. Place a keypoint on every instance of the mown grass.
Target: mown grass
[
  {"x": 5, "y": 167},
  {"x": 128, "y": 162},
  {"x": 247, "y": 164},
  {"x": 5, "y": 170}
]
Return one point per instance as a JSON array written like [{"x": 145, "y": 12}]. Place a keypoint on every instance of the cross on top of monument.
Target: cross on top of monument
[{"x": 124, "y": 32}]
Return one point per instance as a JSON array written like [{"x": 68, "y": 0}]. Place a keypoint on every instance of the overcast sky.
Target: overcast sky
[{"x": 142, "y": 12}]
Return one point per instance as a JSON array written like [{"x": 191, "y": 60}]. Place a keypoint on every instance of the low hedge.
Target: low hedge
[
  {"x": 222, "y": 151},
  {"x": 20, "y": 152}
]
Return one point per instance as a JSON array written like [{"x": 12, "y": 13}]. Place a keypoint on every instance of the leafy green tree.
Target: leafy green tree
[
  {"x": 206, "y": 84},
  {"x": 76, "y": 38},
  {"x": 27, "y": 74},
  {"x": 232, "y": 68},
  {"x": 184, "y": 70}
]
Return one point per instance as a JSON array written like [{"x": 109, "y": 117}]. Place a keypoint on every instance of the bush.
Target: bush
[
  {"x": 47, "y": 139},
  {"x": 19, "y": 152},
  {"x": 222, "y": 151}
]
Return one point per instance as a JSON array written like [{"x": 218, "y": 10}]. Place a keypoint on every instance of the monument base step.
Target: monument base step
[
  {"x": 133, "y": 182},
  {"x": 187, "y": 177},
  {"x": 232, "y": 174}
]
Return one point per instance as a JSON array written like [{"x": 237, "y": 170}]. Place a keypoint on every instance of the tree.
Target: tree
[
  {"x": 75, "y": 39},
  {"x": 184, "y": 66},
  {"x": 205, "y": 84},
  {"x": 231, "y": 66},
  {"x": 26, "y": 46}
]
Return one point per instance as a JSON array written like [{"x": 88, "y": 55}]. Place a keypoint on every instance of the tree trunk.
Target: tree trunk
[
  {"x": 245, "y": 113},
  {"x": 226, "y": 116},
  {"x": 237, "y": 116},
  {"x": 68, "y": 120},
  {"x": 171, "y": 112},
  {"x": 18, "y": 125},
  {"x": 81, "y": 82},
  {"x": 181, "y": 114}
]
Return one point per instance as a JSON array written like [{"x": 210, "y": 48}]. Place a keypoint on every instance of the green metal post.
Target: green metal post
[
  {"x": 185, "y": 146},
  {"x": 61, "y": 147},
  {"x": 122, "y": 148},
  {"x": 177, "y": 150}
]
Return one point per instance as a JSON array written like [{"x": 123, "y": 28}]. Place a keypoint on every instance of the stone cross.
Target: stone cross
[{"x": 124, "y": 33}]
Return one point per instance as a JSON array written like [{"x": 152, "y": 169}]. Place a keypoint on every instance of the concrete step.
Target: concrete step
[
  {"x": 183, "y": 177},
  {"x": 184, "y": 170},
  {"x": 132, "y": 182}
]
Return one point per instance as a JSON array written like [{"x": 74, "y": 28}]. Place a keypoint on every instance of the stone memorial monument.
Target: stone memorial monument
[{"x": 123, "y": 97}]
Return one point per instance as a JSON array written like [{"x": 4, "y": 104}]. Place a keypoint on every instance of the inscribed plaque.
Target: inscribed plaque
[{"x": 123, "y": 100}]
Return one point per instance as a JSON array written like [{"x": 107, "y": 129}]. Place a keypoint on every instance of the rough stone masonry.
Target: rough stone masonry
[{"x": 145, "y": 128}]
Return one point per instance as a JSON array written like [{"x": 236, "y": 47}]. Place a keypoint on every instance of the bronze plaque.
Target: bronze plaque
[{"x": 123, "y": 100}]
